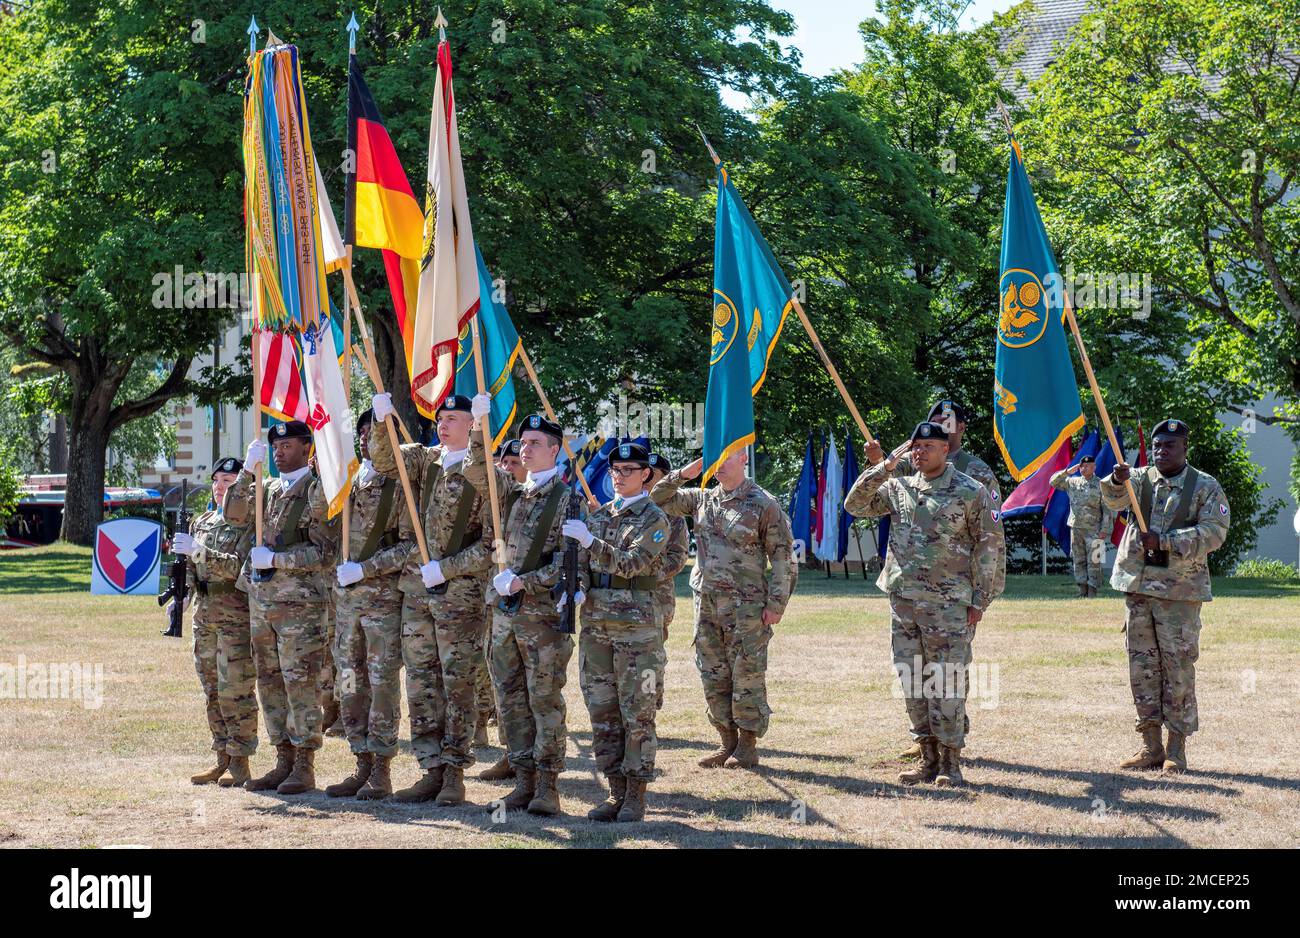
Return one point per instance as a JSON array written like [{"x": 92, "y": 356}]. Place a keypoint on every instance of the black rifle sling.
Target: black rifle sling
[
  {"x": 382, "y": 519},
  {"x": 1182, "y": 514},
  {"x": 290, "y": 533},
  {"x": 456, "y": 540},
  {"x": 961, "y": 461},
  {"x": 534, "y": 557}
]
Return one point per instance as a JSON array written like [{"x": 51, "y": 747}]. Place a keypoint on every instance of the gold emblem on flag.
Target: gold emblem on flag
[
  {"x": 1023, "y": 317},
  {"x": 726, "y": 322}
]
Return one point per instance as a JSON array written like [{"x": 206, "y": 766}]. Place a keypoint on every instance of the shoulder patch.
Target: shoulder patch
[
  {"x": 997, "y": 515},
  {"x": 657, "y": 536},
  {"x": 1223, "y": 509}
]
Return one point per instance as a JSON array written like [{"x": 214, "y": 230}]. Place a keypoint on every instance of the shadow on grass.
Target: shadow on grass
[
  {"x": 1037, "y": 839},
  {"x": 59, "y": 568}
]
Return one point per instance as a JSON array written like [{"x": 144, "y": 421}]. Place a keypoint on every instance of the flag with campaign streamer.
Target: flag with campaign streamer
[
  {"x": 328, "y": 415},
  {"x": 1036, "y": 395},
  {"x": 500, "y": 351},
  {"x": 379, "y": 208},
  {"x": 449, "y": 287},
  {"x": 751, "y": 299}
]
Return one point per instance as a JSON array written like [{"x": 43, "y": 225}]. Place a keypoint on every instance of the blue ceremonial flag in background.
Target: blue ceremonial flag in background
[
  {"x": 1036, "y": 396},
  {"x": 597, "y": 471},
  {"x": 500, "y": 344},
  {"x": 1057, "y": 513},
  {"x": 801, "y": 499},
  {"x": 751, "y": 299},
  {"x": 850, "y": 476}
]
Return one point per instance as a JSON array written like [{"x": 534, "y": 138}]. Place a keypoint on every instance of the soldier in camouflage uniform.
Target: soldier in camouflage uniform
[
  {"x": 529, "y": 656},
  {"x": 508, "y": 460},
  {"x": 287, "y": 594},
  {"x": 327, "y": 686},
  {"x": 223, "y": 657},
  {"x": 1165, "y": 577},
  {"x": 739, "y": 530},
  {"x": 675, "y": 557},
  {"x": 621, "y": 651},
  {"x": 443, "y": 616},
  {"x": 369, "y": 627},
  {"x": 940, "y": 574},
  {"x": 1089, "y": 522}
]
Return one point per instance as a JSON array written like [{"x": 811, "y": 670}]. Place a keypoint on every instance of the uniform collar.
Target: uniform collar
[
  {"x": 939, "y": 481},
  {"x": 628, "y": 504},
  {"x": 290, "y": 479},
  {"x": 538, "y": 479},
  {"x": 452, "y": 457},
  {"x": 1174, "y": 481},
  {"x": 740, "y": 491}
]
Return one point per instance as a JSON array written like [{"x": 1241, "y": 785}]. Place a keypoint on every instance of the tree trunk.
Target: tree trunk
[
  {"x": 392, "y": 365},
  {"x": 88, "y": 435}
]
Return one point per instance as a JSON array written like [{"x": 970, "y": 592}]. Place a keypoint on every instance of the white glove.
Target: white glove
[
  {"x": 578, "y": 599},
  {"x": 481, "y": 405},
  {"x": 431, "y": 574},
  {"x": 383, "y": 406},
  {"x": 262, "y": 558},
  {"x": 579, "y": 531},
  {"x": 256, "y": 454},
  {"x": 504, "y": 583},
  {"x": 349, "y": 573},
  {"x": 182, "y": 543}
]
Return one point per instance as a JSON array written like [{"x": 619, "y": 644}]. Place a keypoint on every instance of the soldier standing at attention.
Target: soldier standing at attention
[
  {"x": 1165, "y": 577},
  {"x": 621, "y": 651},
  {"x": 368, "y": 604},
  {"x": 529, "y": 655},
  {"x": 739, "y": 529},
  {"x": 223, "y": 657},
  {"x": 287, "y": 600},
  {"x": 1088, "y": 522},
  {"x": 443, "y": 617},
  {"x": 675, "y": 557},
  {"x": 509, "y": 461},
  {"x": 940, "y": 575}
]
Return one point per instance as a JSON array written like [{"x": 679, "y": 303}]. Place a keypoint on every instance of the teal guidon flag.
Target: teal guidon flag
[
  {"x": 501, "y": 345},
  {"x": 1036, "y": 396},
  {"x": 751, "y": 299}
]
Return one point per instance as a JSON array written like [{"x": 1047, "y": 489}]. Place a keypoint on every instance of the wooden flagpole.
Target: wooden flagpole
[
  {"x": 347, "y": 395},
  {"x": 485, "y": 425},
  {"x": 257, "y": 433},
  {"x": 550, "y": 413},
  {"x": 812, "y": 333},
  {"x": 1083, "y": 357}
]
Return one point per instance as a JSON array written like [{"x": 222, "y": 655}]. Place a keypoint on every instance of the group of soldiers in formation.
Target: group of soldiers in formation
[{"x": 475, "y": 627}]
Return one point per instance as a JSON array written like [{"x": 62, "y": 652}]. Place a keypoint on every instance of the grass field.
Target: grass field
[{"x": 1041, "y": 757}]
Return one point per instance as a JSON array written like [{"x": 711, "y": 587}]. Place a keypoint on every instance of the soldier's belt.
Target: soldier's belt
[
  {"x": 604, "y": 581},
  {"x": 215, "y": 588}
]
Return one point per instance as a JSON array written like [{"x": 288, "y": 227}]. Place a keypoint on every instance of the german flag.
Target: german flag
[{"x": 379, "y": 209}]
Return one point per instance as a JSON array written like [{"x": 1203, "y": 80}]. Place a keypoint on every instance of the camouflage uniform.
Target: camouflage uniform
[
  {"x": 943, "y": 557},
  {"x": 325, "y": 686},
  {"x": 1163, "y": 625},
  {"x": 289, "y": 611},
  {"x": 675, "y": 557},
  {"x": 223, "y": 656},
  {"x": 621, "y": 650},
  {"x": 1089, "y": 522},
  {"x": 369, "y": 638},
  {"x": 736, "y": 534},
  {"x": 529, "y": 657},
  {"x": 442, "y": 631}
]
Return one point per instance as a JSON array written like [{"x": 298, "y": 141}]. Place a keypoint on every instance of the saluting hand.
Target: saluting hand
[{"x": 693, "y": 470}]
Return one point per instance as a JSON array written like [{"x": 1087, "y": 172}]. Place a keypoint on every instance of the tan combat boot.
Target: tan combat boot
[
  {"x": 907, "y": 755},
  {"x": 353, "y": 783},
  {"x": 1152, "y": 753},
  {"x": 634, "y": 803},
  {"x": 238, "y": 773},
  {"x": 547, "y": 799},
  {"x": 608, "y": 809},
  {"x": 522, "y": 795},
  {"x": 746, "y": 754},
  {"x": 380, "y": 783},
  {"x": 303, "y": 777},
  {"x": 453, "y": 786},
  {"x": 480, "y": 731},
  {"x": 498, "y": 772},
  {"x": 928, "y": 768},
  {"x": 949, "y": 768},
  {"x": 729, "y": 741},
  {"x": 1176, "y": 752},
  {"x": 283, "y": 766},
  {"x": 214, "y": 773},
  {"x": 426, "y": 789}
]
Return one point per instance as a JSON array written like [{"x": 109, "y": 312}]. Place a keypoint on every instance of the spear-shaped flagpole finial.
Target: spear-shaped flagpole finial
[
  {"x": 352, "y": 28},
  {"x": 712, "y": 152},
  {"x": 1006, "y": 117},
  {"x": 253, "y": 30},
  {"x": 441, "y": 22}
]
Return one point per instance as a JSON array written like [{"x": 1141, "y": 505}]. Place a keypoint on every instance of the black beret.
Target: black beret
[
  {"x": 540, "y": 423},
  {"x": 1084, "y": 459},
  {"x": 293, "y": 430},
  {"x": 455, "y": 402},
  {"x": 509, "y": 448},
  {"x": 229, "y": 464},
  {"x": 367, "y": 416},
  {"x": 947, "y": 407},
  {"x": 1171, "y": 428},
  {"x": 925, "y": 430},
  {"x": 660, "y": 462},
  {"x": 630, "y": 452}
]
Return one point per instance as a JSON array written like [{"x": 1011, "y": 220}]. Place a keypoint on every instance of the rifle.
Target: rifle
[
  {"x": 568, "y": 586},
  {"x": 177, "y": 589}
]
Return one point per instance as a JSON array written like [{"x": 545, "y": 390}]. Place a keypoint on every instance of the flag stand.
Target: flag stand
[
  {"x": 485, "y": 425},
  {"x": 550, "y": 413}
]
